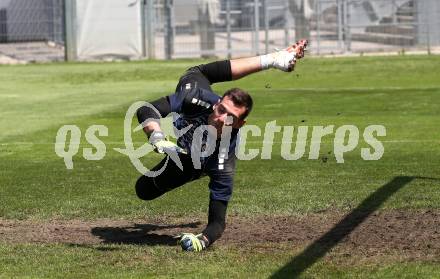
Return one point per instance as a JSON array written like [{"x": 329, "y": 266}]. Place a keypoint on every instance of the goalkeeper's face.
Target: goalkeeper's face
[{"x": 226, "y": 113}]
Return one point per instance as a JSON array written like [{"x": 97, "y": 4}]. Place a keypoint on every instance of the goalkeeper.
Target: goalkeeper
[{"x": 198, "y": 105}]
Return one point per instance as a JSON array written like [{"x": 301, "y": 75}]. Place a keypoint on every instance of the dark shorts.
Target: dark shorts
[{"x": 220, "y": 174}]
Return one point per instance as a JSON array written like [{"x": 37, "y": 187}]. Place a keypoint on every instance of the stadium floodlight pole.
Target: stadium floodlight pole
[
  {"x": 257, "y": 27},
  {"x": 151, "y": 23},
  {"x": 70, "y": 52},
  {"x": 143, "y": 32},
  {"x": 340, "y": 20},
  {"x": 228, "y": 27},
  {"x": 266, "y": 27},
  {"x": 347, "y": 29},
  {"x": 286, "y": 22},
  {"x": 169, "y": 32},
  {"x": 428, "y": 31},
  {"x": 318, "y": 26}
]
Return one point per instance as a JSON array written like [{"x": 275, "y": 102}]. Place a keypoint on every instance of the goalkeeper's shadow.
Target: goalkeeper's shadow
[{"x": 141, "y": 234}]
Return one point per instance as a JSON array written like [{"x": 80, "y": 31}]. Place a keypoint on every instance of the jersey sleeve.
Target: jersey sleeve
[
  {"x": 218, "y": 71},
  {"x": 192, "y": 101},
  {"x": 161, "y": 109}
]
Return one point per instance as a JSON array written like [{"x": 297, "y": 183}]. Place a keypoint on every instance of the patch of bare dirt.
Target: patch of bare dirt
[{"x": 415, "y": 234}]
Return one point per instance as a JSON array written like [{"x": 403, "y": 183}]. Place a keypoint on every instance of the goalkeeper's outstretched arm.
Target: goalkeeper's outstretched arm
[
  {"x": 234, "y": 69},
  {"x": 284, "y": 60}
]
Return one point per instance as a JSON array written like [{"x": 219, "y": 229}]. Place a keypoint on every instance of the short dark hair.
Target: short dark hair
[{"x": 240, "y": 98}]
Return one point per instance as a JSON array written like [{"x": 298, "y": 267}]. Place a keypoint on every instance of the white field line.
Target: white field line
[
  {"x": 248, "y": 141},
  {"x": 389, "y": 141},
  {"x": 344, "y": 89}
]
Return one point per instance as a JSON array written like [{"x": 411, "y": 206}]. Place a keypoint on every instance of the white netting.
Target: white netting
[{"x": 110, "y": 28}]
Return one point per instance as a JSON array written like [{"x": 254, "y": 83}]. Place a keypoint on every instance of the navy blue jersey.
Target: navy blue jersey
[{"x": 195, "y": 104}]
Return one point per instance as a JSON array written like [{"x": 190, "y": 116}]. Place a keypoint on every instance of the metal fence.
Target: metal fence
[
  {"x": 34, "y": 30},
  {"x": 333, "y": 26}
]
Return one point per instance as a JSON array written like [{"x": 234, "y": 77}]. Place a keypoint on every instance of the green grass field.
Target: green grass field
[{"x": 401, "y": 93}]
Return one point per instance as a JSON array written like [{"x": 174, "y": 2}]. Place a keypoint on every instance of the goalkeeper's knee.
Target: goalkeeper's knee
[{"x": 146, "y": 189}]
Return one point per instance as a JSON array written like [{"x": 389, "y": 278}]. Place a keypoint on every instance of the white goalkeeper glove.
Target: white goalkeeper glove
[
  {"x": 285, "y": 59},
  {"x": 191, "y": 242},
  {"x": 162, "y": 145}
]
